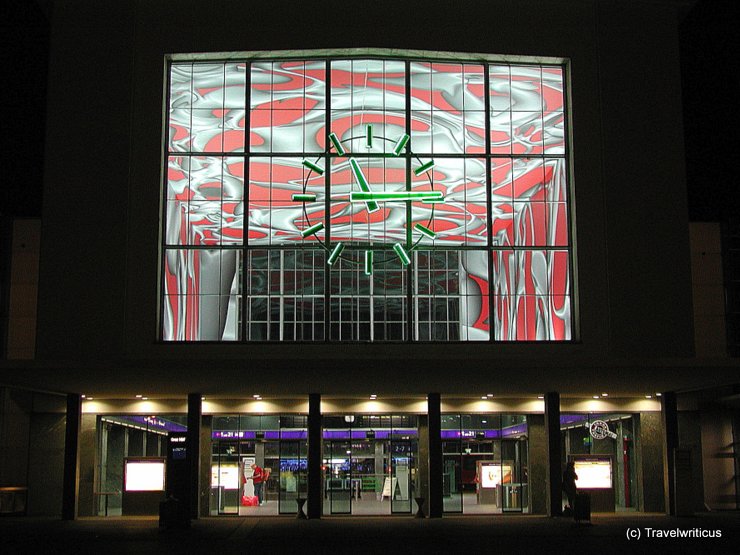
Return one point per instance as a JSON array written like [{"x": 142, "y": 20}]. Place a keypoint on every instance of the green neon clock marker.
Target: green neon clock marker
[
  {"x": 337, "y": 145},
  {"x": 335, "y": 253},
  {"x": 425, "y": 231},
  {"x": 313, "y": 167},
  {"x": 424, "y": 167},
  {"x": 314, "y": 229},
  {"x": 400, "y": 144},
  {"x": 303, "y": 197},
  {"x": 402, "y": 254}
]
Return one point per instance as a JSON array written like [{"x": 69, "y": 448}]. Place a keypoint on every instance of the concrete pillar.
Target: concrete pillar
[
  {"x": 689, "y": 428},
  {"x": 669, "y": 421},
  {"x": 192, "y": 454},
  {"x": 434, "y": 415},
  {"x": 86, "y": 501},
  {"x": 205, "y": 465},
  {"x": 315, "y": 495},
  {"x": 71, "y": 456},
  {"x": 422, "y": 477},
  {"x": 537, "y": 468},
  {"x": 553, "y": 471},
  {"x": 648, "y": 449}
]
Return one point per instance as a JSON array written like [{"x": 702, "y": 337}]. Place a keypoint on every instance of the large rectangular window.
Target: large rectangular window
[{"x": 366, "y": 199}]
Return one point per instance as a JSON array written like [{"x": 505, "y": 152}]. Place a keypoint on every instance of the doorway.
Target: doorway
[
  {"x": 277, "y": 444},
  {"x": 370, "y": 464}
]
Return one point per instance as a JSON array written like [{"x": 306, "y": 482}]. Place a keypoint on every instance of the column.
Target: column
[
  {"x": 422, "y": 478},
  {"x": 434, "y": 414},
  {"x": 206, "y": 427},
  {"x": 553, "y": 470},
  {"x": 537, "y": 463},
  {"x": 87, "y": 502},
  {"x": 315, "y": 495},
  {"x": 71, "y": 456},
  {"x": 192, "y": 454},
  {"x": 669, "y": 418}
]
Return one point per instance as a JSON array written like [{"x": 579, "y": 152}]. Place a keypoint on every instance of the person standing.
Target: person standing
[
  {"x": 569, "y": 484},
  {"x": 258, "y": 479}
]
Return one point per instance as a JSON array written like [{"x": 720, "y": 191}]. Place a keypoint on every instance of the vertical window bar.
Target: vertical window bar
[
  {"x": 327, "y": 203},
  {"x": 409, "y": 208},
  {"x": 245, "y": 194},
  {"x": 489, "y": 199},
  {"x": 163, "y": 210}
]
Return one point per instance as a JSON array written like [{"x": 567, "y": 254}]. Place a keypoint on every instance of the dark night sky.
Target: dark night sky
[{"x": 711, "y": 92}]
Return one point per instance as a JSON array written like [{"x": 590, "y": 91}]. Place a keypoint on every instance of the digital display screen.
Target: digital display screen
[
  {"x": 593, "y": 474},
  {"x": 144, "y": 476}
]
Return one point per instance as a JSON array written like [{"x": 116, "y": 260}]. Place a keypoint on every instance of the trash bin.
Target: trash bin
[
  {"x": 582, "y": 508},
  {"x": 173, "y": 514}
]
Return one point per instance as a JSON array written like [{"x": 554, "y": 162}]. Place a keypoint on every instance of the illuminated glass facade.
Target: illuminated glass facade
[{"x": 244, "y": 259}]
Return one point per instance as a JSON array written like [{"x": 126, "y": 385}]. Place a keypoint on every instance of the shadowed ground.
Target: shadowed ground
[{"x": 388, "y": 535}]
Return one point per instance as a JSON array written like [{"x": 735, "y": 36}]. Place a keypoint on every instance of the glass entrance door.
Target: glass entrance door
[
  {"x": 338, "y": 477},
  {"x": 403, "y": 474},
  {"x": 513, "y": 485},
  {"x": 225, "y": 477},
  {"x": 293, "y": 479}
]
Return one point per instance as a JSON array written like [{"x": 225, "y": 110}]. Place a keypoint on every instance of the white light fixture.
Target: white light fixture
[
  {"x": 597, "y": 397},
  {"x": 90, "y": 398},
  {"x": 658, "y": 394},
  {"x": 648, "y": 396},
  {"x": 145, "y": 398},
  {"x": 373, "y": 396},
  {"x": 540, "y": 396},
  {"x": 605, "y": 395},
  {"x": 256, "y": 396},
  {"x": 489, "y": 394},
  {"x": 83, "y": 396},
  {"x": 139, "y": 396},
  {"x": 484, "y": 398}
]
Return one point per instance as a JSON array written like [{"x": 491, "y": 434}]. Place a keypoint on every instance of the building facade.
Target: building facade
[{"x": 433, "y": 266}]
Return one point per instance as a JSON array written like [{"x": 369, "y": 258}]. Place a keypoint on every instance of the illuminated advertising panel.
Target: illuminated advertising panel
[
  {"x": 494, "y": 474},
  {"x": 226, "y": 476},
  {"x": 593, "y": 473},
  {"x": 144, "y": 475}
]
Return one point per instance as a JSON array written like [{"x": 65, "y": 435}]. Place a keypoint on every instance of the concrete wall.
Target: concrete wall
[
  {"x": 15, "y": 424},
  {"x": 23, "y": 289},
  {"x": 707, "y": 279},
  {"x": 718, "y": 459},
  {"x": 46, "y": 464},
  {"x": 98, "y": 290},
  {"x": 649, "y": 449}
]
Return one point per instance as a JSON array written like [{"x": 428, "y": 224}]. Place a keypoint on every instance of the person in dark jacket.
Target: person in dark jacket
[{"x": 569, "y": 484}]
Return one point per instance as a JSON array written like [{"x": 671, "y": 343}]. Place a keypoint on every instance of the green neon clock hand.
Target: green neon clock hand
[{"x": 394, "y": 195}]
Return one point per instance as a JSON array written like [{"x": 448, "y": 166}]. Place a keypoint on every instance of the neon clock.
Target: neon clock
[{"x": 370, "y": 200}]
